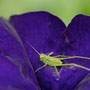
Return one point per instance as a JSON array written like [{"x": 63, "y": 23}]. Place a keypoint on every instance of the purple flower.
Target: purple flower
[
  {"x": 16, "y": 71},
  {"x": 46, "y": 33}
]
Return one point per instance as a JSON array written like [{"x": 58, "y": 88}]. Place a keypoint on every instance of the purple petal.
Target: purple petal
[
  {"x": 84, "y": 84},
  {"x": 78, "y": 35},
  {"x": 44, "y": 32},
  {"x": 16, "y": 71}
]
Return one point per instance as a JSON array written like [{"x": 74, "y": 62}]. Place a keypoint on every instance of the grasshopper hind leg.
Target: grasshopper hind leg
[{"x": 73, "y": 64}]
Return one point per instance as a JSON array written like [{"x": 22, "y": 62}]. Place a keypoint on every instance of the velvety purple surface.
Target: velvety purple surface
[
  {"x": 84, "y": 84},
  {"x": 16, "y": 72},
  {"x": 45, "y": 32},
  {"x": 78, "y": 34}
]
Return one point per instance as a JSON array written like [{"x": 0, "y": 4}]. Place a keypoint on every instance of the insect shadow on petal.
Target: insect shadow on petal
[{"x": 55, "y": 61}]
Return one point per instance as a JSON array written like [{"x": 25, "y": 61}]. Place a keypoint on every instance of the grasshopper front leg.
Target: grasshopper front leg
[
  {"x": 41, "y": 67},
  {"x": 50, "y": 53}
]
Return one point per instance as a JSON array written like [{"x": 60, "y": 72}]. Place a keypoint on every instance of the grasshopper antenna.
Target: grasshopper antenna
[{"x": 32, "y": 47}]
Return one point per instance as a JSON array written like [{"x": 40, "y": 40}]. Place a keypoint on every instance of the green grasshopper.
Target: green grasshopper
[{"x": 55, "y": 61}]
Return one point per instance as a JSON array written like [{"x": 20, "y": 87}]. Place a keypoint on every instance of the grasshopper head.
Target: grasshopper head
[{"x": 43, "y": 57}]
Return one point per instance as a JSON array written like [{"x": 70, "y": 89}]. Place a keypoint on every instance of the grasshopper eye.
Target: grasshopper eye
[{"x": 41, "y": 56}]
